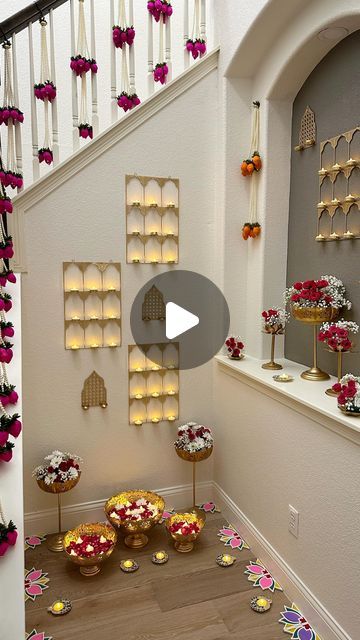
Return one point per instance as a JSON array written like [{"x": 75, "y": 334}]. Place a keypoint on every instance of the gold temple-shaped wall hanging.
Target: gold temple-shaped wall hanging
[
  {"x": 153, "y": 307},
  {"x": 307, "y": 133},
  {"x": 338, "y": 209},
  {"x": 94, "y": 392}
]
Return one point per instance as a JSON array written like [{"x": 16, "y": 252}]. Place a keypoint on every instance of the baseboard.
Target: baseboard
[
  {"x": 324, "y": 623},
  {"x": 45, "y": 521}
]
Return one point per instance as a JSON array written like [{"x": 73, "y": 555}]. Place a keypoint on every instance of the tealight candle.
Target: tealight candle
[
  {"x": 75, "y": 346},
  {"x": 138, "y": 422},
  {"x": 75, "y": 318},
  {"x": 155, "y": 420},
  {"x": 128, "y": 564},
  {"x": 171, "y": 261},
  {"x": 155, "y": 394},
  {"x": 136, "y": 203},
  {"x": 139, "y": 369},
  {"x": 171, "y": 392},
  {"x": 139, "y": 396},
  {"x": 171, "y": 418},
  {"x": 136, "y": 260},
  {"x": 261, "y": 602},
  {"x": 58, "y": 606},
  {"x": 155, "y": 368},
  {"x": 94, "y": 346},
  {"x": 159, "y": 557},
  {"x": 171, "y": 205},
  {"x": 226, "y": 558}
]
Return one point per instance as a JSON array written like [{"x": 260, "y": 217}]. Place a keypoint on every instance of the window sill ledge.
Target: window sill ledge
[{"x": 307, "y": 398}]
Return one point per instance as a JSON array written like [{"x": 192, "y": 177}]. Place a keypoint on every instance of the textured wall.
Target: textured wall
[
  {"x": 333, "y": 92},
  {"x": 84, "y": 220}
]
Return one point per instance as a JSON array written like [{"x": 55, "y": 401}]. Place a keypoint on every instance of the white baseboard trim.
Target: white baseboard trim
[
  {"x": 297, "y": 591},
  {"x": 45, "y": 521}
]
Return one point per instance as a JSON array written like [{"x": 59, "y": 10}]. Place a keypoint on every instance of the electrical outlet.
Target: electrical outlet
[{"x": 293, "y": 522}]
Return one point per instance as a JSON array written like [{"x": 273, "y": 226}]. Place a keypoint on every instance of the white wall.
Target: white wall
[
  {"x": 12, "y": 615},
  {"x": 84, "y": 219}
]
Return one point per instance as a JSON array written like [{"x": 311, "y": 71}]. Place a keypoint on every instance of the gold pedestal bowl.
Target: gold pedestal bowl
[
  {"x": 90, "y": 566},
  {"x": 55, "y": 542},
  {"x": 135, "y": 530},
  {"x": 314, "y": 316},
  {"x": 184, "y": 543}
]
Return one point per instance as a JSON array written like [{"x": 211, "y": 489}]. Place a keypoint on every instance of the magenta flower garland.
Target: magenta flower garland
[
  {"x": 196, "y": 45},
  {"x": 10, "y": 116},
  {"x": 123, "y": 38},
  {"x": 161, "y": 12},
  {"x": 81, "y": 64},
  {"x": 159, "y": 9},
  {"x": 45, "y": 91}
]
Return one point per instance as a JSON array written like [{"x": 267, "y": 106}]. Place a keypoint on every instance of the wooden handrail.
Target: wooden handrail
[{"x": 20, "y": 20}]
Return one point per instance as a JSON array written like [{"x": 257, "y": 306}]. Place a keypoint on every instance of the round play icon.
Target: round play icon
[{"x": 181, "y": 307}]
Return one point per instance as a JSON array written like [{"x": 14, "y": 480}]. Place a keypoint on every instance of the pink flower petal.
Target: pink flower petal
[
  {"x": 35, "y": 574},
  {"x": 34, "y": 541},
  {"x": 227, "y": 532},
  {"x": 266, "y": 583},
  {"x": 236, "y": 542},
  {"x": 34, "y": 590},
  {"x": 255, "y": 568}
]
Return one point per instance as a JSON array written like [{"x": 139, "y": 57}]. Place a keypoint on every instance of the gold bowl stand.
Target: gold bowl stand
[
  {"x": 314, "y": 316},
  {"x": 55, "y": 542}
]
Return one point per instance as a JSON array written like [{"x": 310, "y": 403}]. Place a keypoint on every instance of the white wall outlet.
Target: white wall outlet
[{"x": 293, "y": 522}]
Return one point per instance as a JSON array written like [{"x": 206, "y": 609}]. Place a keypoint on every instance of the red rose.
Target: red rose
[
  {"x": 298, "y": 286},
  {"x": 295, "y": 297},
  {"x": 336, "y": 387},
  {"x": 63, "y": 466}
]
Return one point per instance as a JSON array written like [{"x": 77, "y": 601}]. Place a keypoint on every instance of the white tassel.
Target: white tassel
[
  {"x": 196, "y": 20},
  {"x": 254, "y": 146},
  {"x": 82, "y": 45}
]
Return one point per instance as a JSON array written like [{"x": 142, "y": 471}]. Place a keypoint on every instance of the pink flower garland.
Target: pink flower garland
[
  {"x": 45, "y": 91},
  {"x": 80, "y": 65},
  {"x": 10, "y": 113},
  {"x": 127, "y": 101},
  {"x": 160, "y": 72},
  {"x": 123, "y": 36},
  {"x": 158, "y": 8},
  {"x": 196, "y": 47}
]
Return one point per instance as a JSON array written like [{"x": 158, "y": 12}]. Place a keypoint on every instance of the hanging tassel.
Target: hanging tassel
[
  {"x": 10, "y": 115},
  {"x": 125, "y": 99},
  {"x": 251, "y": 167},
  {"x": 160, "y": 9},
  {"x": 45, "y": 91},
  {"x": 122, "y": 33},
  {"x": 196, "y": 45},
  {"x": 161, "y": 69},
  {"x": 8, "y": 533},
  {"x": 81, "y": 64}
]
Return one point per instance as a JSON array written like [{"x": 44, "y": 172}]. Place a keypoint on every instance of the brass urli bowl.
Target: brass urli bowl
[
  {"x": 314, "y": 315},
  {"x": 194, "y": 456},
  {"x": 90, "y": 566},
  {"x": 185, "y": 543},
  {"x": 135, "y": 538}
]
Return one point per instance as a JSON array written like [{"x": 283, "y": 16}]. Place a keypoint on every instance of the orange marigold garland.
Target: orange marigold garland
[{"x": 250, "y": 167}]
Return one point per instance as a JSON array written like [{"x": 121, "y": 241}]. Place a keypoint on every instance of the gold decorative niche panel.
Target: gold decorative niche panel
[
  {"x": 152, "y": 220},
  {"x": 94, "y": 392},
  {"x": 307, "y": 133},
  {"x": 92, "y": 305},
  {"x": 153, "y": 307},
  {"x": 153, "y": 383},
  {"x": 338, "y": 209}
]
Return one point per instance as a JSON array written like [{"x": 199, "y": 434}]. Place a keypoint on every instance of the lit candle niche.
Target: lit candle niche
[
  {"x": 169, "y": 251},
  {"x": 93, "y": 336},
  {"x": 154, "y": 410},
  {"x": 112, "y": 334},
  {"x": 111, "y": 278},
  {"x": 92, "y": 278},
  {"x": 134, "y": 192},
  {"x": 93, "y": 307},
  {"x": 152, "y": 193},
  {"x": 137, "y": 386},
  {"x": 170, "y": 194},
  {"x": 73, "y": 278},
  {"x": 74, "y": 307},
  {"x": 171, "y": 383},
  {"x": 171, "y": 356},
  {"x": 137, "y": 360},
  {"x": 154, "y": 384},
  {"x": 152, "y": 251},
  {"x": 111, "y": 306},
  {"x": 170, "y": 223},
  {"x": 154, "y": 358},
  {"x": 135, "y": 222},
  {"x": 74, "y": 337},
  {"x": 153, "y": 222},
  {"x": 171, "y": 409},
  {"x": 138, "y": 414},
  {"x": 135, "y": 250}
]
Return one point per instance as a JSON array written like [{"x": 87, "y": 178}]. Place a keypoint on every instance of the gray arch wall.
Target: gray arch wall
[{"x": 333, "y": 91}]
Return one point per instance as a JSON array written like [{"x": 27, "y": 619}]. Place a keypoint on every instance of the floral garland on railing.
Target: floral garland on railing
[
  {"x": 45, "y": 91},
  {"x": 124, "y": 35},
  {"x": 196, "y": 45},
  {"x": 81, "y": 63},
  {"x": 11, "y": 116},
  {"x": 161, "y": 12},
  {"x": 10, "y": 425}
]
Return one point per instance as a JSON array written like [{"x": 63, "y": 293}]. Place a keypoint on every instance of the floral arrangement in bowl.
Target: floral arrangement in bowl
[
  {"x": 336, "y": 334},
  {"x": 234, "y": 346},
  {"x": 134, "y": 510},
  {"x": 89, "y": 545},
  {"x": 122, "y": 36},
  {"x": 327, "y": 291},
  {"x": 348, "y": 394},
  {"x": 194, "y": 438},
  {"x": 159, "y": 8},
  {"x": 58, "y": 469},
  {"x": 275, "y": 320},
  {"x": 196, "y": 47},
  {"x": 184, "y": 528}
]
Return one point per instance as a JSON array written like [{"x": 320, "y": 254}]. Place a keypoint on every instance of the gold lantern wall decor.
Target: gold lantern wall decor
[
  {"x": 153, "y": 383},
  {"x": 94, "y": 392},
  {"x": 153, "y": 307},
  {"x": 338, "y": 215},
  {"x": 307, "y": 133},
  {"x": 152, "y": 220},
  {"x": 92, "y": 305}
]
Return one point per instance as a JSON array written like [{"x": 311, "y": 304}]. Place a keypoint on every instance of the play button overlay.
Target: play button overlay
[
  {"x": 192, "y": 312},
  {"x": 178, "y": 320}
]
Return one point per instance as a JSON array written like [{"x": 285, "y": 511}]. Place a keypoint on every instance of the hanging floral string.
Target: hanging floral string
[
  {"x": 10, "y": 425},
  {"x": 196, "y": 45},
  {"x": 45, "y": 91},
  {"x": 124, "y": 35},
  {"x": 8, "y": 533},
  {"x": 249, "y": 168},
  {"x": 80, "y": 65},
  {"x": 161, "y": 11},
  {"x": 10, "y": 114}
]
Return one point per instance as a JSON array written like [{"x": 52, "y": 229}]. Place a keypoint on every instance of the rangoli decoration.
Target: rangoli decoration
[
  {"x": 249, "y": 168},
  {"x": 208, "y": 507},
  {"x": 35, "y": 583},
  {"x": 31, "y": 542},
  {"x": 37, "y": 635},
  {"x": 232, "y": 538},
  {"x": 167, "y": 514},
  {"x": 260, "y": 576},
  {"x": 45, "y": 91},
  {"x": 296, "y": 625}
]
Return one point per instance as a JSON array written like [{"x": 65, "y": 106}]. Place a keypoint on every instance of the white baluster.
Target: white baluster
[
  {"x": 203, "y": 20},
  {"x": 150, "y": 55},
  {"x": 114, "y": 107},
  {"x": 54, "y": 109},
  {"x": 18, "y": 144},
  {"x": 75, "y": 114},
  {"x": 94, "y": 92},
  {"x": 168, "y": 48},
  {"x": 186, "y": 33},
  {"x": 34, "y": 122},
  {"x": 131, "y": 50}
]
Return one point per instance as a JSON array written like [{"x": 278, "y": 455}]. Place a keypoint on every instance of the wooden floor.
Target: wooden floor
[{"x": 189, "y": 598}]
